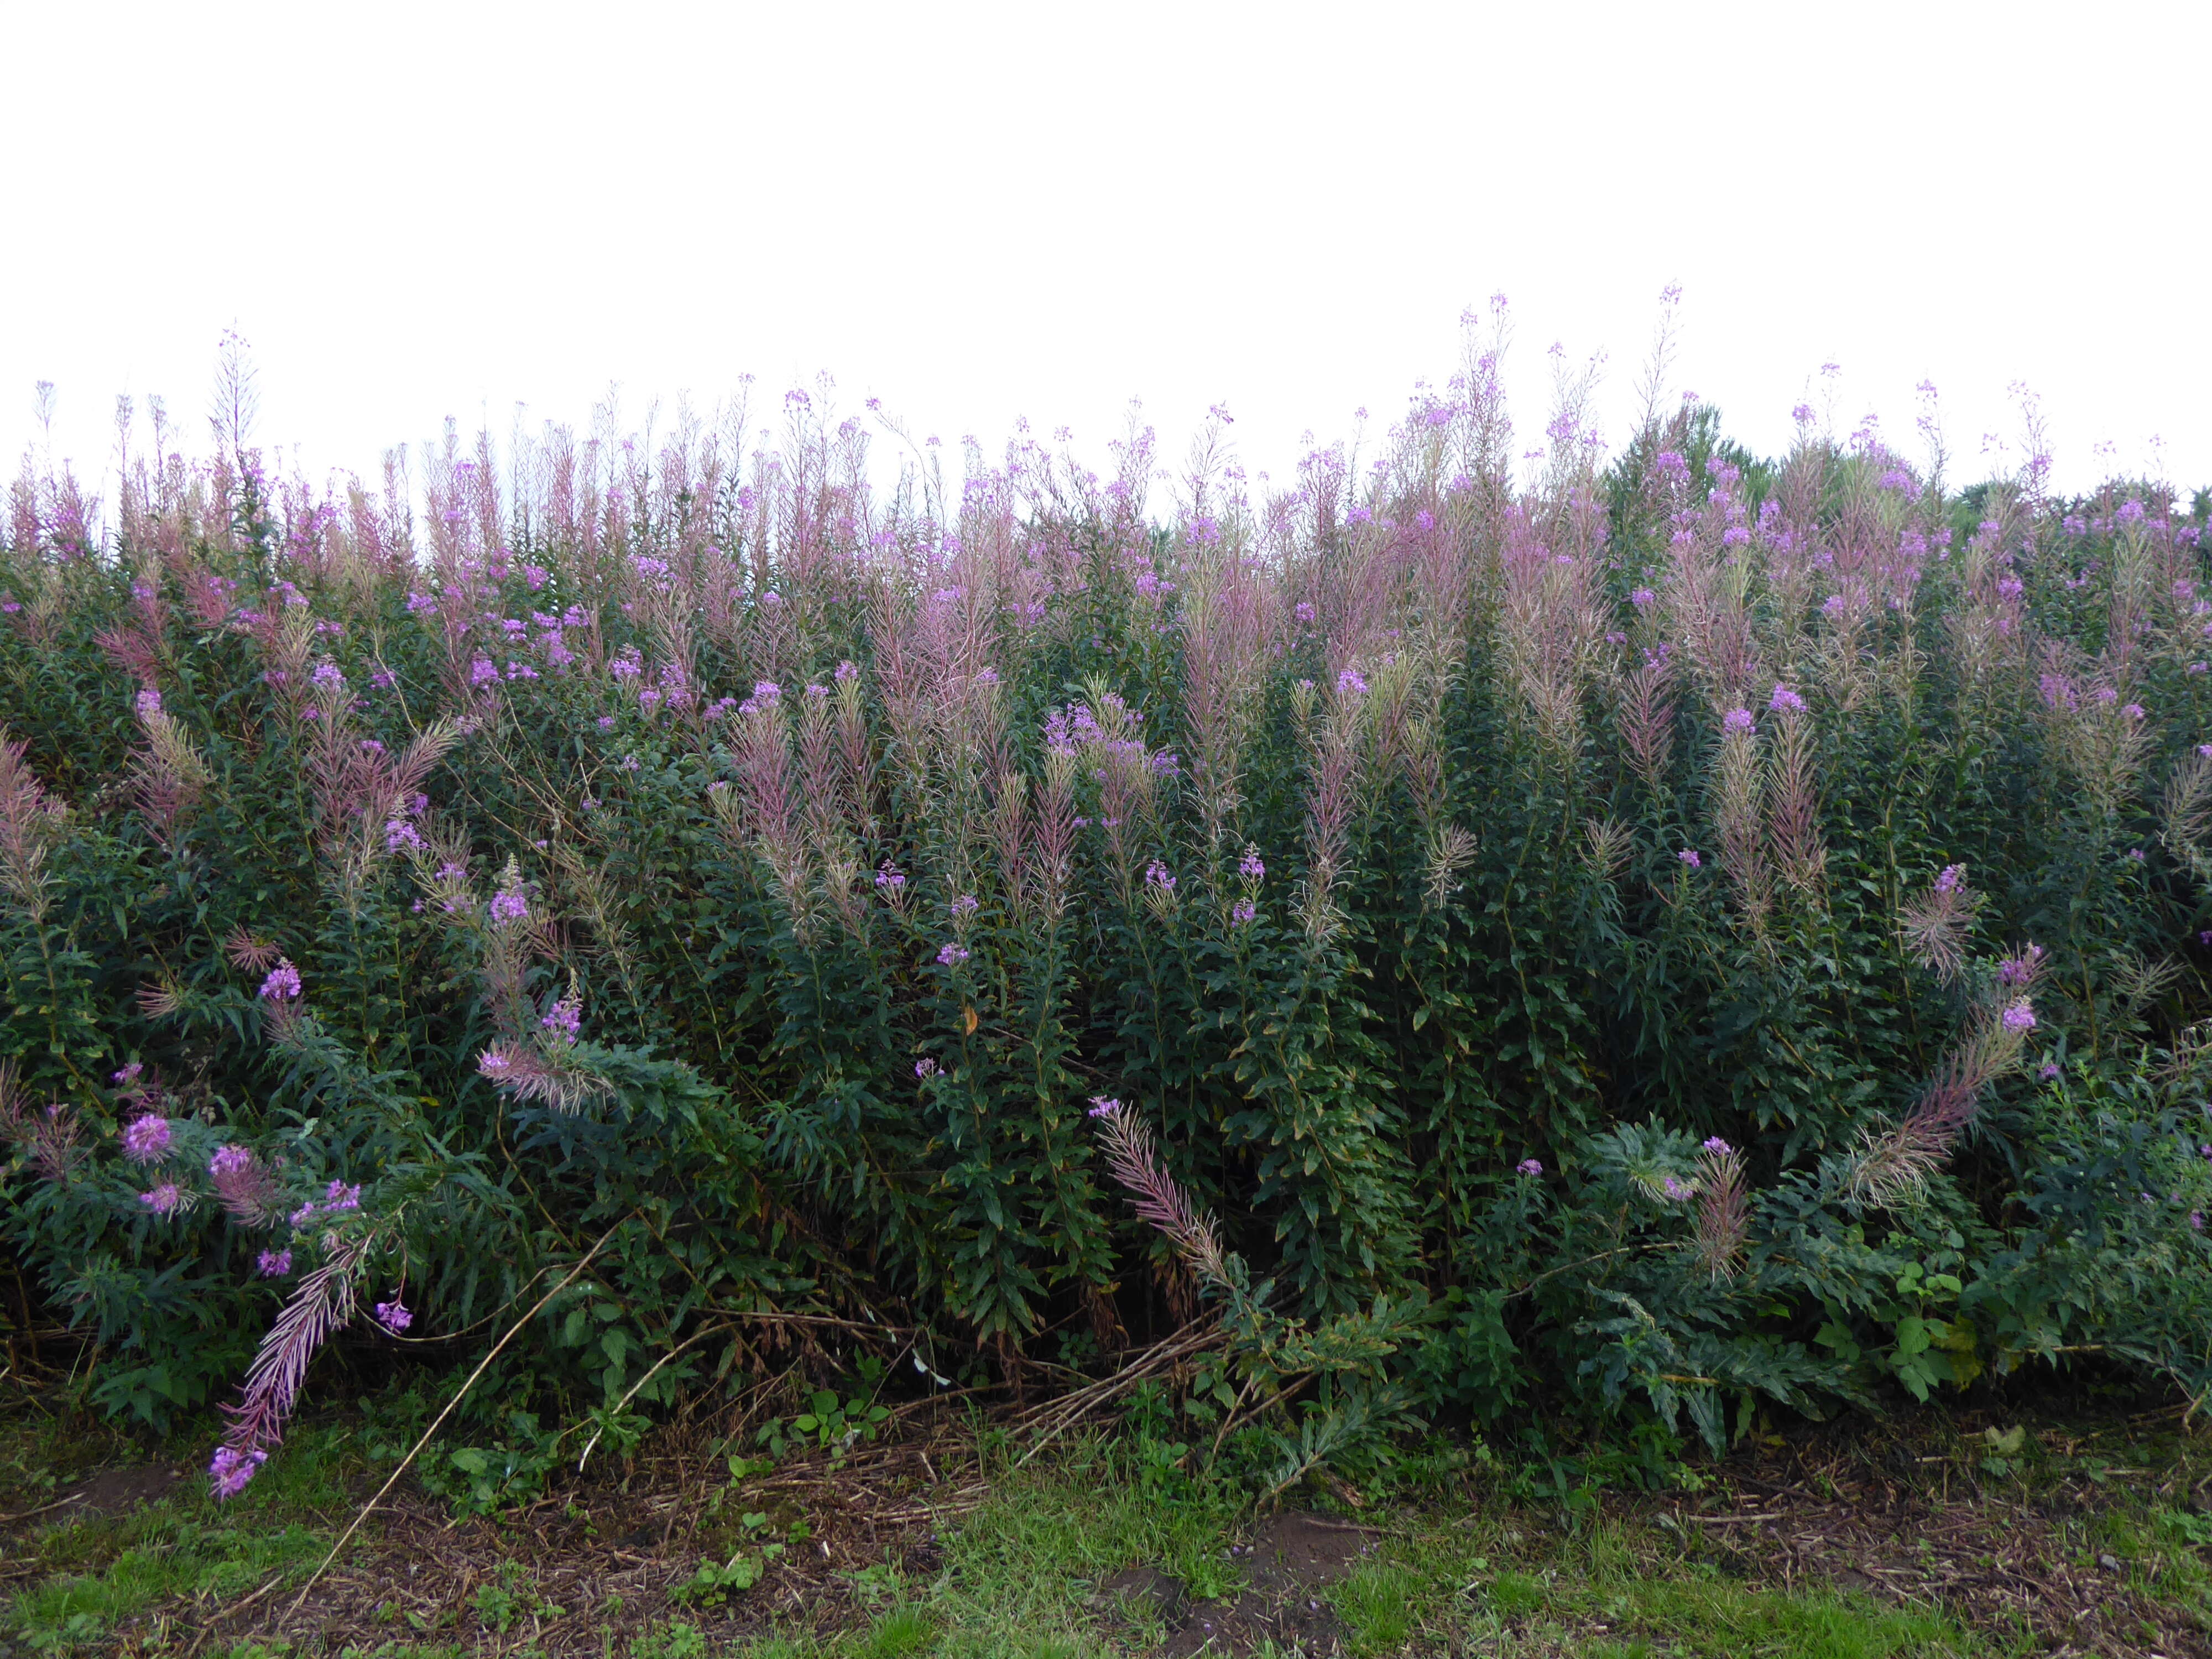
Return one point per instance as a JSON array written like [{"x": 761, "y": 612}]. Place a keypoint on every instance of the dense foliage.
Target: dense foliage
[{"x": 1647, "y": 937}]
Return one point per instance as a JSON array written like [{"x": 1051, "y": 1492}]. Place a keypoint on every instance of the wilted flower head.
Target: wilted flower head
[{"x": 146, "y": 1140}]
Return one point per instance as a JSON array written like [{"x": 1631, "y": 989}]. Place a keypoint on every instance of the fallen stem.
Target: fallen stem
[{"x": 370, "y": 1508}]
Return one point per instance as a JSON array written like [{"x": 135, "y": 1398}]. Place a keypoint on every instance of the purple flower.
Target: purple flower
[
  {"x": 889, "y": 879},
  {"x": 1243, "y": 912},
  {"x": 128, "y": 1074},
  {"x": 846, "y": 670},
  {"x": 1303, "y": 611},
  {"x": 925, "y": 1068},
  {"x": 393, "y": 1316},
  {"x": 1689, "y": 856},
  {"x": 1738, "y": 719},
  {"x": 1349, "y": 683},
  {"x": 150, "y": 703},
  {"x": 766, "y": 693},
  {"x": 232, "y": 1468},
  {"x": 1952, "y": 875},
  {"x": 229, "y": 1162},
  {"x": 1675, "y": 1189},
  {"x": 950, "y": 956},
  {"x": 146, "y": 1140},
  {"x": 2050, "y": 1072},
  {"x": 398, "y": 833},
  {"x": 273, "y": 1264},
  {"x": 2197, "y": 1220},
  {"x": 966, "y": 905},
  {"x": 284, "y": 982},
  {"x": 1249, "y": 867},
  {"x": 494, "y": 1063},
  {"x": 1784, "y": 701},
  {"x": 1642, "y": 598},
  {"x": 2134, "y": 711},
  {"x": 165, "y": 1200},
  {"x": 1156, "y": 875},
  {"x": 1101, "y": 1106},
  {"x": 338, "y": 1196},
  {"x": 2020, "y": 1017},
  {"x": 565, "y": 1019},
  {"x": 509, "y": 907},
  {"x": 1718, "y": 1147},
  {"x": 1529, "y": 1166}
]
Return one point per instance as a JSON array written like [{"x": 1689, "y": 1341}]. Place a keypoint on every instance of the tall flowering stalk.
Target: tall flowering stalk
[
  {"x": 1724, "y": 1210},
  {"x": 322, "y": 1305},
  {"x": 1132, "y": 1158},
  {"x": 1890, "y": 1166}
]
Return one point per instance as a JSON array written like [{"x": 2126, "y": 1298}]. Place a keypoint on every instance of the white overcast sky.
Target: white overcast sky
[{"x": 980, "y": 212}]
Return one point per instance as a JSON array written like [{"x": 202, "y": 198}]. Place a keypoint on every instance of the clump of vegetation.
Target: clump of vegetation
[{"x": 1474, "y": 925}]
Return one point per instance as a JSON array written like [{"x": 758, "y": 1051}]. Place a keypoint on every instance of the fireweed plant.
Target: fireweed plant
[{"x": 1478, "y": 923}]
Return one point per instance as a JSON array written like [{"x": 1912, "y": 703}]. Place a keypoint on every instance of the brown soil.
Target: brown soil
[
  {"x": 1290, "y": 1564},
  {"x": 1889, "y": 1509}
]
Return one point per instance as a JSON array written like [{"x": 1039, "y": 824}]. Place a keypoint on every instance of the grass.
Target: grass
[{"x": 1455, "y": 1564}]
